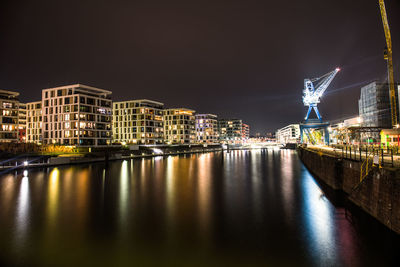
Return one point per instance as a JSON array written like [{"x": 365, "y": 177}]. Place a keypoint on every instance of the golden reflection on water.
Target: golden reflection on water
[
  {"x": 123, "y": 194},
  {"x": 170, "y": 195},
  {"x": 7, "y": 191},
  {"x": 52, "y": 197},
  {"x": 81, "y": 182},
  {"x": 204, "y": 178}
]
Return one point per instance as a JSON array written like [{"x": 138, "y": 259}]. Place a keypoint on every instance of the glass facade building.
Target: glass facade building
[{"x": 374, "y": 105}]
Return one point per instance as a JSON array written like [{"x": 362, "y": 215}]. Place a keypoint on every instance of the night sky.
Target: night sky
[{"x": 237, "y": 59}]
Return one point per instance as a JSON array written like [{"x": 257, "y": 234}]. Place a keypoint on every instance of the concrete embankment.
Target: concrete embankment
[{"x": 378, "y": 193}]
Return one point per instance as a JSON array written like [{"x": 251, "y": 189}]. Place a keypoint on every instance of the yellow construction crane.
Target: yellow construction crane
[{"x": 389, "y": 59}]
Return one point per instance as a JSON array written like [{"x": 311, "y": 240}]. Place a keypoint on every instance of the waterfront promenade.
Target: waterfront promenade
[{"x": 388, "y": 158}]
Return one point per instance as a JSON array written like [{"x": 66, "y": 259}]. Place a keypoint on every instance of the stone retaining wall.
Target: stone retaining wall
[{"x": 378, "y": 194}]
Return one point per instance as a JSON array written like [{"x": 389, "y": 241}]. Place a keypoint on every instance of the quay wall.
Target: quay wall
[{"x": 378, "y": 194}]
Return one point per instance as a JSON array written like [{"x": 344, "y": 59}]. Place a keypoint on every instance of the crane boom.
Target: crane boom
[
  {"x": 323, "y": 85},
  {"x": 389, "y": 58},
  {"x": 312, "y": 94}
]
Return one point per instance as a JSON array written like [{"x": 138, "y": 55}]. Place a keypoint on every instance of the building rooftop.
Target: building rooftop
[
  {"x": 206, "y": 114},
  {"x": 90, "y": 89},
  {"x": 8, "y": 94},
  {"x": 34, "y": 102},
  {"x": 186, "y": 109},
  {"x": 141, "y": 100}
]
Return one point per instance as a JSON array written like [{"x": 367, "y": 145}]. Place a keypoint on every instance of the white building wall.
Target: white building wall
[{"x": 288, "y": 134}]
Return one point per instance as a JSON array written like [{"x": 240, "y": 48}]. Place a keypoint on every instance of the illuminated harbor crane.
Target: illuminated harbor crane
[
  {"x": 389, "y": 59},
  {"x": 312, "y": 94}
]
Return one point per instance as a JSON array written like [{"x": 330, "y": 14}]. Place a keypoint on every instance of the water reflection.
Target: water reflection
[
  {"x": 255, "y": 207},
  {"x": 318, "y": 219},
  {"x": 170, "y": 195},
  {"x": 52, "y": 197},
  {"x": 124, "y": 195},
  {"x": 256, "y": 160},
  {"x": 22, "y": 216},
  {"x": 204, "y": 178},
  {"x": 287, "y": 188}
]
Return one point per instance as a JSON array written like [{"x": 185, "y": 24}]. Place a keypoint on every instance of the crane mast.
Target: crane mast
[
  {"x": 389, "y": 58},
  {"x": 312, "y": 95}
]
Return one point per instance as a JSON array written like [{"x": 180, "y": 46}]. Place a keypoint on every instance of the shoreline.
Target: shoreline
[{"x": 53, "y": 161}]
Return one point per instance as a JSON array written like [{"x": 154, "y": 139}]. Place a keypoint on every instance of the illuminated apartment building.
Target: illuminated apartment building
[
  {"x": 230, "y": 131},
  {"x": 206, "y": 128},
  {"x": 288, "y": 134},
  {"x": 179, "y": 126},
  {"x": 245, "y": 131},
  {"x": 34, "y": 122},
  {"x": 77, "y": 115},
  {"x": 138, "y": 122},
  {"x": 22, "y": 122},
  {"x": 9, "y": 109}
]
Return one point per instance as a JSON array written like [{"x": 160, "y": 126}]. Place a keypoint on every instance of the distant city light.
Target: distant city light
[
  {"x": 157, "y": 151},
  {"x": 25, "y": 163}
]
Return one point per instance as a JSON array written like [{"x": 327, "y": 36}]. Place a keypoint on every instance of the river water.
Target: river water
[{"x": 243, "y": 208}]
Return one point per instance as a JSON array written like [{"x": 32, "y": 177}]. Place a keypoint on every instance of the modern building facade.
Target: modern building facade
[
  {"x": 230, "y": 131},
  {"x": 77, "y": 115},
  {"x": 206, "y": 128},
  {"x": 245, "y": 131},
  {"x": 179, "y": 126},
  {"x": 34, "y": 122},
  {"x": 22, "y": 122},
  {"x": 374, "y": 105},
  {"x": 288, "y": 135},
  {"x": 138, "y": 122},
  {"x": 9, "y": 110}
]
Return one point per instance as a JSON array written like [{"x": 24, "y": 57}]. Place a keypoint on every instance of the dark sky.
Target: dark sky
[{"x": 245, "y": 59}]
